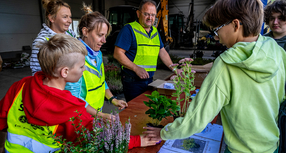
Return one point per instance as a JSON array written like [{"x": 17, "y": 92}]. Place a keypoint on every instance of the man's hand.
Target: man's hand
[
  {"x": 119, "y": 103},
  {"x": 145, "y": 141},
  {"x": 153, "y": 133},
  {"x": 141, "y": 72}
]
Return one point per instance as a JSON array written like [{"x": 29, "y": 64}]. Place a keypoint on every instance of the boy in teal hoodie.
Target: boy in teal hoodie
[{"x": 245, "y": 84}]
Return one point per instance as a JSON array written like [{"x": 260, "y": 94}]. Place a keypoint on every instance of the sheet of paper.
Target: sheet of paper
[{"x": 208, "y": 141}]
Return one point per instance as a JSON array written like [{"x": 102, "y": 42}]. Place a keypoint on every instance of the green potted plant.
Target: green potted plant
[
  {"x": 183, "y": 83},
  {"x": 160, "y": 107}
]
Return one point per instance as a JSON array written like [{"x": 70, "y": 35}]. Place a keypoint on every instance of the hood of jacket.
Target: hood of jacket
[
  {"x": 44, "y": 105},
  {"x": 256, "y": 59}
]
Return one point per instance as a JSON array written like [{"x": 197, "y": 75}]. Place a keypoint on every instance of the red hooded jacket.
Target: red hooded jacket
[{"x": 44, "y": 105}]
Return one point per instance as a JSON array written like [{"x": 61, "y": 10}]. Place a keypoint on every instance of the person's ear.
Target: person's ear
[
  {"x": 138, "y": 13},
  {"x": 84, "y": 31},
  {"x": 51, "y": 18},
  {"x": 64, "y": 72},
  {"x": 237, "y": 24}
]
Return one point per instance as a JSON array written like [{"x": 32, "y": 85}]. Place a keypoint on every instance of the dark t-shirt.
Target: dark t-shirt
[
  {"x": 126, "y": 40},
  {"x": 281, "y": 42}
]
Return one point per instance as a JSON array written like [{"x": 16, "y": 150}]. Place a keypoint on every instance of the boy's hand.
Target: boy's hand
[
  {"x": 153, "y": 133},
  {"x": 119, "y": 103},
  {"x": 145, "y": 141},
  {"x": 106, "y": 116}
]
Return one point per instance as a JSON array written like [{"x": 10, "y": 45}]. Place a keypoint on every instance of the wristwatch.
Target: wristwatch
[{"x": 110, "y": 99}]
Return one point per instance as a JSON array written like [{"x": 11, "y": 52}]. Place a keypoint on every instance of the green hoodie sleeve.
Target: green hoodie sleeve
[{"x": 202, "y": 110}]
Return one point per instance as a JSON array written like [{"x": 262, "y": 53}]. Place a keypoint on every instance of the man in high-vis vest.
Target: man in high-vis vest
[
  {"x": 38, "y": 104},
  {"x": 137, "y": 48}
]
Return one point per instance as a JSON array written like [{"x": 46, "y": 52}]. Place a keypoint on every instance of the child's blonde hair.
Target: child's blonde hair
[{"x": 56, "y": 53}]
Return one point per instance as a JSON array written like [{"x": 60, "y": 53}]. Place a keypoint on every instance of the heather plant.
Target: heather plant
[
  {"x": 105, "y": 137},
  {"x": 112, "y": 78},
  {"x": 183, "y": 83}
]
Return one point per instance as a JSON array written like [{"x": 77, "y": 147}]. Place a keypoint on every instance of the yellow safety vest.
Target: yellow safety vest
[
  {"x": 147, "y": 47},
  {"x": 25, "y": 137},
  {"x": 95, "y": 85}
]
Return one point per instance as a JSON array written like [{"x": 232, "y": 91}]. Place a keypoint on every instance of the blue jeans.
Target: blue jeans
[{"x": 133, "y": 87}]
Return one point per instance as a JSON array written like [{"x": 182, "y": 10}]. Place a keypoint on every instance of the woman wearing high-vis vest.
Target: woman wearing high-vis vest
[
  {"x": 58, "y": 20},
  {"x": 93, "y": 29}
]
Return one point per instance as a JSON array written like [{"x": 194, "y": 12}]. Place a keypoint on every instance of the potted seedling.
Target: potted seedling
[
  {"x": 160, "y": 107},
  {"x": 183, "y": 83}
]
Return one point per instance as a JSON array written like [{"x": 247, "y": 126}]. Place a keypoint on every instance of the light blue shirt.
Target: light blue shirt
[{"x": 78, "y": 89}]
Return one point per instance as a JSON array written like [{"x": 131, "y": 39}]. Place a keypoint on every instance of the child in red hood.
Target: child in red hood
[{"x": 40, "y": 101}]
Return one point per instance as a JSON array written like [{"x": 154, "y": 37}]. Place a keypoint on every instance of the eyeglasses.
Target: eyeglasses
[
  {"x": 148, "y": 14},
  {"x": 215, "y": 31}
]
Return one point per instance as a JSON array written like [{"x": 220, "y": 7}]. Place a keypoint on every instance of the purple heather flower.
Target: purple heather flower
[
  {"x": 111, "y": 147},
  {"x": 193, "y": 71},
  {"x": 106, "y": 146},
  {"x": 88, "y": 135}
]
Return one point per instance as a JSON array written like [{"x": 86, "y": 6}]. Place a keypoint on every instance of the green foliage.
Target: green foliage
[
  {"x": 201, "y": 61},
  {"x": 190, "y": 143},
  {"x": 160, "y": 107},
  {"x": 183, "y": 83},
  {"x": 105, "y": 137}
]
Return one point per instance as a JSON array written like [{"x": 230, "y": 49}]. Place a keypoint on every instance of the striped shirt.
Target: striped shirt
[{"x": 45, "y": 32}]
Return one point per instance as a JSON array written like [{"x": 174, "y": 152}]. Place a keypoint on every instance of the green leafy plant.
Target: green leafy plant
[
  {"x": 183, "y": 83},
  {"x": 105, "y": 137},
  {"x": 202, "y": 61},
  {"x": 160, "y": 107}
]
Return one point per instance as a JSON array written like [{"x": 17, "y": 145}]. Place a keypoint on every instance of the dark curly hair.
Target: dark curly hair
[{"x": 275, "y": 7}]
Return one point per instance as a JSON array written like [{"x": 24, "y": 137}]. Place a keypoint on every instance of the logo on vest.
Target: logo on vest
[{"x": 23, "y": 119}]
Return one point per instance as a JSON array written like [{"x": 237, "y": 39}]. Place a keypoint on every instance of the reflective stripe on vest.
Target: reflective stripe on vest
[
  {"x": 147, "y": 47},
  {"x": 95, "y": 85},
  {"x": 25, "y": 137}
]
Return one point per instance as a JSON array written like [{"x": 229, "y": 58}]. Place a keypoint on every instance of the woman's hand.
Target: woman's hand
[
  {"x": 145, "y": 141},
  {"x": 121, "y": 104},
  {"x": 153, "y": 133}
]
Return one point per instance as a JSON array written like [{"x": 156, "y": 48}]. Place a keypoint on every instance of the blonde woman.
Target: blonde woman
[
  {"x": 58, "y": 20},
  {"x": 91, "y": 87}
]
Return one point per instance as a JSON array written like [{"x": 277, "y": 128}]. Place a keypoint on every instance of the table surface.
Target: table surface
[{"x": 136, "y": 112}]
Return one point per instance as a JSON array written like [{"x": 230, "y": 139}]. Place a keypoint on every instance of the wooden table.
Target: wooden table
[
  {"x": 136, "y": 111},
  {"x": 138, "y": 119}
]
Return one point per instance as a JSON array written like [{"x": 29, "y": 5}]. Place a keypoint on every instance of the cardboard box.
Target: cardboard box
[
  {"x": 201, "y": 73},
  {"x": 159, "y": 85}
]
